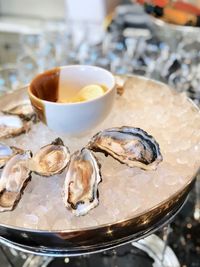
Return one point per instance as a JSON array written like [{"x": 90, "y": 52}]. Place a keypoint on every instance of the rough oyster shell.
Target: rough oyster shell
[
  {"x": 13, "y": 181},
  {"x": 131, "y": 146},
  {"x": 50, "y": 159},
  {"x": 6, "y": 152},
  {"x": 81, "y": 182},
  {"x": 24, "y": 111},
  {"x": 11, "y": 126},
  {"x": 120, "y": 83}
]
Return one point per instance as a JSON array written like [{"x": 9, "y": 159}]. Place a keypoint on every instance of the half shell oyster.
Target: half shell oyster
[
  {"x": 6, "y": 152},
  {"x": 81, "y": 182},
  {"x": 11, "y": 126},
  {"x": 131, "y": 146},
  {"x": 13, "y": 181},
  {"x": 24, "y": 111},
  {"x": 50, "y": 159}
]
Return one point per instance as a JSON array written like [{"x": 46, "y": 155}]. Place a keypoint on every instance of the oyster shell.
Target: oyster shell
[
  {"x": 24, "y": 111},
  {"x": 81, "y": 182},
  {"x": 11, "y": 126},
  {"x": 120, "y": 83},
  {"x": 50, "y": 159},
  {"x": 131, "y": 146},
  {"x": 13, "y": 181},
  {"x": 6, "y": 152}
]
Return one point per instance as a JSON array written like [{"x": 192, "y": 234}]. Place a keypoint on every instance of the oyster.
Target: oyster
[
  {"x": 81, "y": 182},
  {"x": 50, "y": 159},
  {"x": 131, "y": 146},
  {"x": 6, "y": 152},
  {"x": 24, "y": 111},
  {"x": 11, "y": 125},
  {"x": 13, "y": 181}
]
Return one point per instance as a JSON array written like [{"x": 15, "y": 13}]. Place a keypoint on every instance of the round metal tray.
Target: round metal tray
[{"x": 92, "y": 239}]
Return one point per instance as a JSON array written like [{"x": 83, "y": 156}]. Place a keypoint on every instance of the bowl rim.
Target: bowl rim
[
  {"x": 31, "y": 95},
  {"x": 180, "y": 28}
]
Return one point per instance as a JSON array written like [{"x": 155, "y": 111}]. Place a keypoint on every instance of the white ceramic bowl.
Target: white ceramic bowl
[{"x": 71, "y": 118}]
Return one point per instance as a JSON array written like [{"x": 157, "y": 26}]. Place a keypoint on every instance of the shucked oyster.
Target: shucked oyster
[
  {"x": 81, "y": 182},
  {"x": 6, "y": 152},
  {"x": 11, "y": 125},
  {"x": 24, "y": 111},
  {"x": 129, "y": 145},
  {"x": 50, "y": 159},
  {"x": 13, "y": 181}
]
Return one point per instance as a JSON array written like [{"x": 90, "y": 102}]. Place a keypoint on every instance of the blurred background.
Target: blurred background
[{"x": 126, "y": 37}]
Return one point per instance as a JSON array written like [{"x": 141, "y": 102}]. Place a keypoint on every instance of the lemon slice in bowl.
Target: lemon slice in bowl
[{"x": 89, "y": 92}]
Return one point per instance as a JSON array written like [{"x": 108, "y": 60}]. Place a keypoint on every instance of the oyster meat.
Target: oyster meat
[
  {"x": 50, "y": 159},
  {"x": 81, "y": 182},
  {"x": 6, "y": 152},
  {"x": 11, "y": 125},
  {"x": 13, "y": 181},
  {"x": 24, "y": 111},
  {"x": 131, "y": 146}
]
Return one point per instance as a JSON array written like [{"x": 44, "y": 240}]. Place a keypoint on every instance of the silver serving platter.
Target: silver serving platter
[
  {"x": 91, "y": 239},
  {"x": 172, "y": 33}
]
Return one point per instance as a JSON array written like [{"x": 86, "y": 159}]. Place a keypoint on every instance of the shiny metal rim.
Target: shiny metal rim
[
  {"x": 43, "y": 251},
  {"x": 182, "y": 29}
]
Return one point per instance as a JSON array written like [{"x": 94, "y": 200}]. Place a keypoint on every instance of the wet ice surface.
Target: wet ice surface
[{"x": 124, "y": 191}]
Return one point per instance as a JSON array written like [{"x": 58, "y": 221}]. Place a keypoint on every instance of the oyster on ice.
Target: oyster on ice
[
  {"x": 81, "y": 182},
  {"x": 11, "y": 125},
  {"x": 13, "y": 181},
  {"x": 6, "y": 152},
  {"x": 131, "y": 146},
  {"x": 23, "y": 110},
  {"x": 50, "y": 159}
]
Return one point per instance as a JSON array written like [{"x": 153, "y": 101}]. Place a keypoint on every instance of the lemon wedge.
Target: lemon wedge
[
  {"x": 89, "y": 92},
  {"x": 77, "y": 99}
]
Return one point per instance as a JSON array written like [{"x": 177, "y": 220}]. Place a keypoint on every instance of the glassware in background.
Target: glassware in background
[
  {"x": 127, "y": 47},
  {"x": 28, "y": 60},
  {"x": 57, "y": 43},
  {"x": 8, "y": 79}
]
